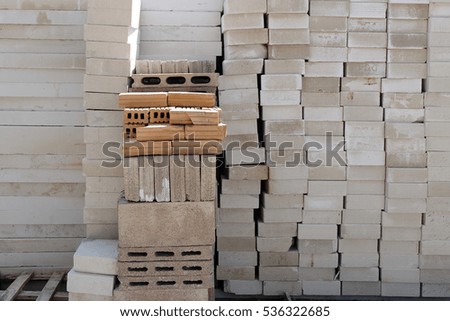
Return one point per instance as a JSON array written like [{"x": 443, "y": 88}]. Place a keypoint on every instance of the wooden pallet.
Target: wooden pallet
[{"x": 16, "y": 290}]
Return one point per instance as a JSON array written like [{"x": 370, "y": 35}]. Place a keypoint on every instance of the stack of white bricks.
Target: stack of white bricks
[
  {"x": 364, "y": 135},
  {"x": 323, "y": 115},
  {"x": 111, "y": 36},
  {"x": 282, "y": 198},
  {"x": 406, "y": 188},
  {"x": 41, "y": 117},
  {"x": 435, "y": 245},
  {"x": 245, "y": 44},
  {"x": 94, "y": 271},
  {"x": 180, "y": 29}
]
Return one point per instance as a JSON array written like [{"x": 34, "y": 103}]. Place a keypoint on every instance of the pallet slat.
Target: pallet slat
[
  {"x": 50, "y": 288},
  {"x": 13, "y": 290}
]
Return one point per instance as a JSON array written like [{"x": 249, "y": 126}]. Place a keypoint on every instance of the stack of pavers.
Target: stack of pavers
[
  {"x": 167, "y": 217},
  {"x": 435, "y": 245},
  {"x": 245, "y": 47},
  {"x": 112, "y": 35},
  {"x": 364, "y": 135},
  {"x": 406, "y": 158}
]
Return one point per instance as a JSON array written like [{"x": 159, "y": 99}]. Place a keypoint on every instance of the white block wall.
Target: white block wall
[{"x": 42, "y": 59}]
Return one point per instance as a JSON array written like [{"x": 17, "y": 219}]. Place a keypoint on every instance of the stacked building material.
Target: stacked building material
[
  {"x": 323, "y": 115},
  {"x": 406, "y": 159},
  {"x": 241, "y": 181},
  {"x": 180, "y": 29},
  {"x": 434, "y": 258},
  {"x": 111, "y": 36},
  {"x": 167, "y": 217},
  {"x": 93, "y": 275},
  {"x": 245, "y": 46},
  {"x": 283, "y": 131},
  {"x": 364, "y": 135},
  {"x": 42, "y": 60}
]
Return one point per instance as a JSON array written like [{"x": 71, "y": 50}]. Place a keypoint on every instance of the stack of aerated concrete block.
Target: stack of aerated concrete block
[
  {"x": 282, "y": 122},
  {"x": 93, "y": 275},
  {"x": 180, "y": 29},
  {"x": 323, "y": 115},
  {"x": 111, "y": 36},
  {"x": 406, "y": 188},
  {"x": 41, "y": 117},
  {"x": 435, "y": 245},
  {"x": 245, "y": 47},
  {"x": 364, "y": 135}
]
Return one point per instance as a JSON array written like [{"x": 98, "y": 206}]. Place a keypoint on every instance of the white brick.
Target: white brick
[
  {"x": 361, "y": 217},
  {"x": 323, "y": 203},
  {"x": 370, "y": 274},
  {"x": 242, "y": 21},
  {"x": 323, "y": 114},
  {"x": 273, "y": 244},
  {"x": 317, "y": 246},
  {"x": 288, "y": 21},
  {"x": 368, "y": 10},
  {"x": 251, "y": 6},
  {"x": 327, "y": 188},
  {"x": 366, "y": 25},
  {"x": 277, "y": 229},
  {"x": 410, "y": 261},
  {"x": 403, "y": 100},
  {"x": 359, "y": 260},
  {"x": 401, "y": 85},
  {"x": 366, "y": 54},
  {"x": 289, "y": 36},
  {"x": 243, "y": 287},
  {"x": 402, "y": 219},
  {"x": 406, "y": 175},
  {"x": 324, "y": 69},
  {"x": 278, "y": 273},
  {"x": 97, "y": 257},
  {"x": 287, "y": 6},
  {"x": 282, "y": 288},
  {"x": 401, "y": 234},
  {"x": 358, "y": 246},
  {"x": 280, "y": 98},
  {"x": 360, "y": 231},
  {"x": 319, "y": 260},
  {"x": 253, "y": 52},
  {"x": 321, "y": 287},
  {"x": 322, "y": 217},
  {"x": 317, "y": 231},
  {"x": 281, "y": 82},
  {"x": 363, "y": 113},
  {"x": 238, "y": 258},
  {"x": 372, "y": 158},
  {"x": 330, "y": 40},
  {"x": 242, "y": 67},
  {"x": 407, "y": 55},
  {"x": 324, "y": 8},
  {"x": 97, "y": 284},
  {"x": 367, "y": 40},
  {"x": 281, "y": 215},
  {"x": 285, "y": 66},
  {"x": 400, "y": 289},
  {"x": 245, "y": 37}
]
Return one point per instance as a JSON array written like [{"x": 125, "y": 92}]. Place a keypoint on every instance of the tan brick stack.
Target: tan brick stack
[{"x": 167, "y": 215}]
